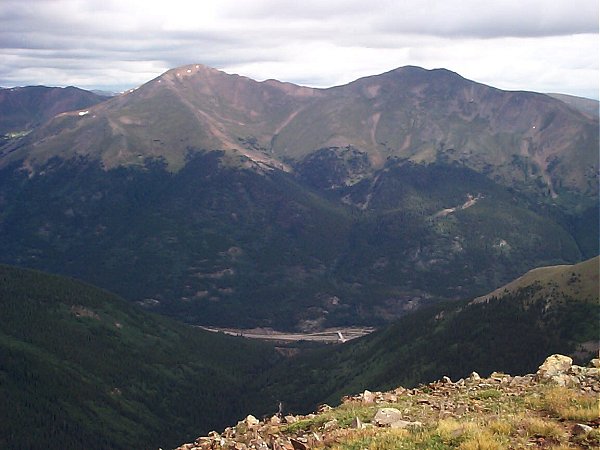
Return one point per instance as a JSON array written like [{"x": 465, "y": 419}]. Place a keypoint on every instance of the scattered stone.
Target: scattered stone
[
  {"x": 357, "y": 424},
  {"x": 387, "y": 416},
  {"x": 298, "y": 445},
  {"x": 460, "y": 410},
  {"x": 405, "y": 424},
  {"x": 324, "y": 408},
  {"x": 390, "y": 397},
  {"x": 434, "y": 401},
  {"x": 368, "y": 397},
  {"x": 275, "y": 420},
  {"x": 499, "y": 376},
  {"x": 331, "y": 425},
  {"x": 580, "y": 429},
  {"x": 251, "y": 421}
]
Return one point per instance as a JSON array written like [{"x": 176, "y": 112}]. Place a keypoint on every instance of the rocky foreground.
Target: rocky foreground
[{"x": 556, "y": 408}]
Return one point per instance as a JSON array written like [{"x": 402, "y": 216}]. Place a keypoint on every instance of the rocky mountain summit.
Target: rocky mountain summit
[{"x": 555, "y": 408}]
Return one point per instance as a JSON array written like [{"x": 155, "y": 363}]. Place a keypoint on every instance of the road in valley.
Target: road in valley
[{"x": 330, "y": 335}]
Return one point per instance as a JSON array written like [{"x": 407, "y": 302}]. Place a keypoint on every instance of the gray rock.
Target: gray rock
[
  {"x": 474, "y": 377},
  {"x": 251, "y": 421},
  {"x": 331, "y": 425},
  {"x": 368, "y": 397},
  {"x": 554, "y": 366},
  {"x": 357, "y": 424},
  {"x": 298, "y": 445},
  {"x": 387, "y": 416},
  {"x": 581, "y": 429}
]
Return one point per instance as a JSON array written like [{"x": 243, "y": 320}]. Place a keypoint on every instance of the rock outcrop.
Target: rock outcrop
[{"x": 432, "y": 408}]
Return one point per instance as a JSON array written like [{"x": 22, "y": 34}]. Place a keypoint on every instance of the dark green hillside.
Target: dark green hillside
[
  {"x": 82, "y": 369},
  {"x": 511, "y": 332},
  {"x": 222, "y": 245}
]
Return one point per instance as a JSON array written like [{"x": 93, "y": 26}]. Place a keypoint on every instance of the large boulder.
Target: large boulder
[{"x": 556, "y": 369}]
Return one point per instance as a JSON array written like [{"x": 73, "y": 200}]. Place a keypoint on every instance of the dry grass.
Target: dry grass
[
  {"x": 536, "y": 426},
  {"x": 482, "y": 440},
  {"x": 570, "y": 405}
]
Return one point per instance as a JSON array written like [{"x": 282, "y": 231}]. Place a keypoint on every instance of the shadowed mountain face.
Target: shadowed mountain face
[
  {"x": 222, "y": 200},
  {"x": 23, "y": 108},
  {"x": 82, "y": 368}
]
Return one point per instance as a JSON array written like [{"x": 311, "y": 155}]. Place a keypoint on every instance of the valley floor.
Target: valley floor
[{"x": 330, "y": 335}]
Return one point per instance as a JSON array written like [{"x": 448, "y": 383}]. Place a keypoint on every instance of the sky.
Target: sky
[{"x": 535, "y": 45}]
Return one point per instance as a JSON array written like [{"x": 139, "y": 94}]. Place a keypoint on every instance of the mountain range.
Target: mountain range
[{"x": 220, "y": 200}]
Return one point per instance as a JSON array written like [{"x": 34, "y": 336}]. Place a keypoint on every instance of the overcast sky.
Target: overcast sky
[{"x": 538, "y": 45}]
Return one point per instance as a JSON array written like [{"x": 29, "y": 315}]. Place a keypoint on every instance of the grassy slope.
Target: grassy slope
[
  {"x": 579, "y": 280},
  {"x": 493, "y": 413},
  {"x": 513, "y": 333},
  {"x": 82, "y": 368}
]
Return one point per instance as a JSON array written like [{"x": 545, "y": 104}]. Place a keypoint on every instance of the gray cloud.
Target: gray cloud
[{"x": 116, "y": 45}]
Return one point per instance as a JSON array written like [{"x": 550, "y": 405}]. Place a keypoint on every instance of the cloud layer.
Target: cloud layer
[{"x": 110, "y": 44}]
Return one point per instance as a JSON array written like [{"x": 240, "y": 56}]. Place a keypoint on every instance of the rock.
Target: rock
[
  {"x": 446, "y": 380},
  {"x": 581, "y": 429},
  {"x": 275, "y": 420},
  {"x": 331, "y": 425},
  {"x": 390, "y": 397},
  {"x": 357, "y": 424},
  {"x": 368, "y": 397},
  {"x": 251, "y": 421},
  {"x": 291, "y": 419},
  {"x": 592, "y": 372},
  {"x": 460, "y": 410},
  {"x": 405, "y": 424},
  {"x": 553, "y": 368},
  {"x": 387, "y": 416},
  {"x": 298, "y": 445},
  {"x": 499, "y": 376},
  {"x": 474, "y": 377},
  {"x": 324, "y": 408},
  {"x": 595, "y": 363}
]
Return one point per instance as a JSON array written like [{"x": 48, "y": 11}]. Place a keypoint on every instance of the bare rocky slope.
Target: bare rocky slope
[
  {"x": 409, "y": 113},
  {"x": 555, "y": 408}
]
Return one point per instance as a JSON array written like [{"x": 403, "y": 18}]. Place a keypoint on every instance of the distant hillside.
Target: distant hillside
[
  {"x": 585, "y": 105},
  {"x": 511, "y": 332},
  {"x": 23, "y": 108},
  {"x": 578, "y": 281},
  {"x": 83, "y": 369}
]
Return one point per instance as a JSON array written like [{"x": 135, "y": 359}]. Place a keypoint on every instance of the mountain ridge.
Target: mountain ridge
[{"x": 281, "y": 122}]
